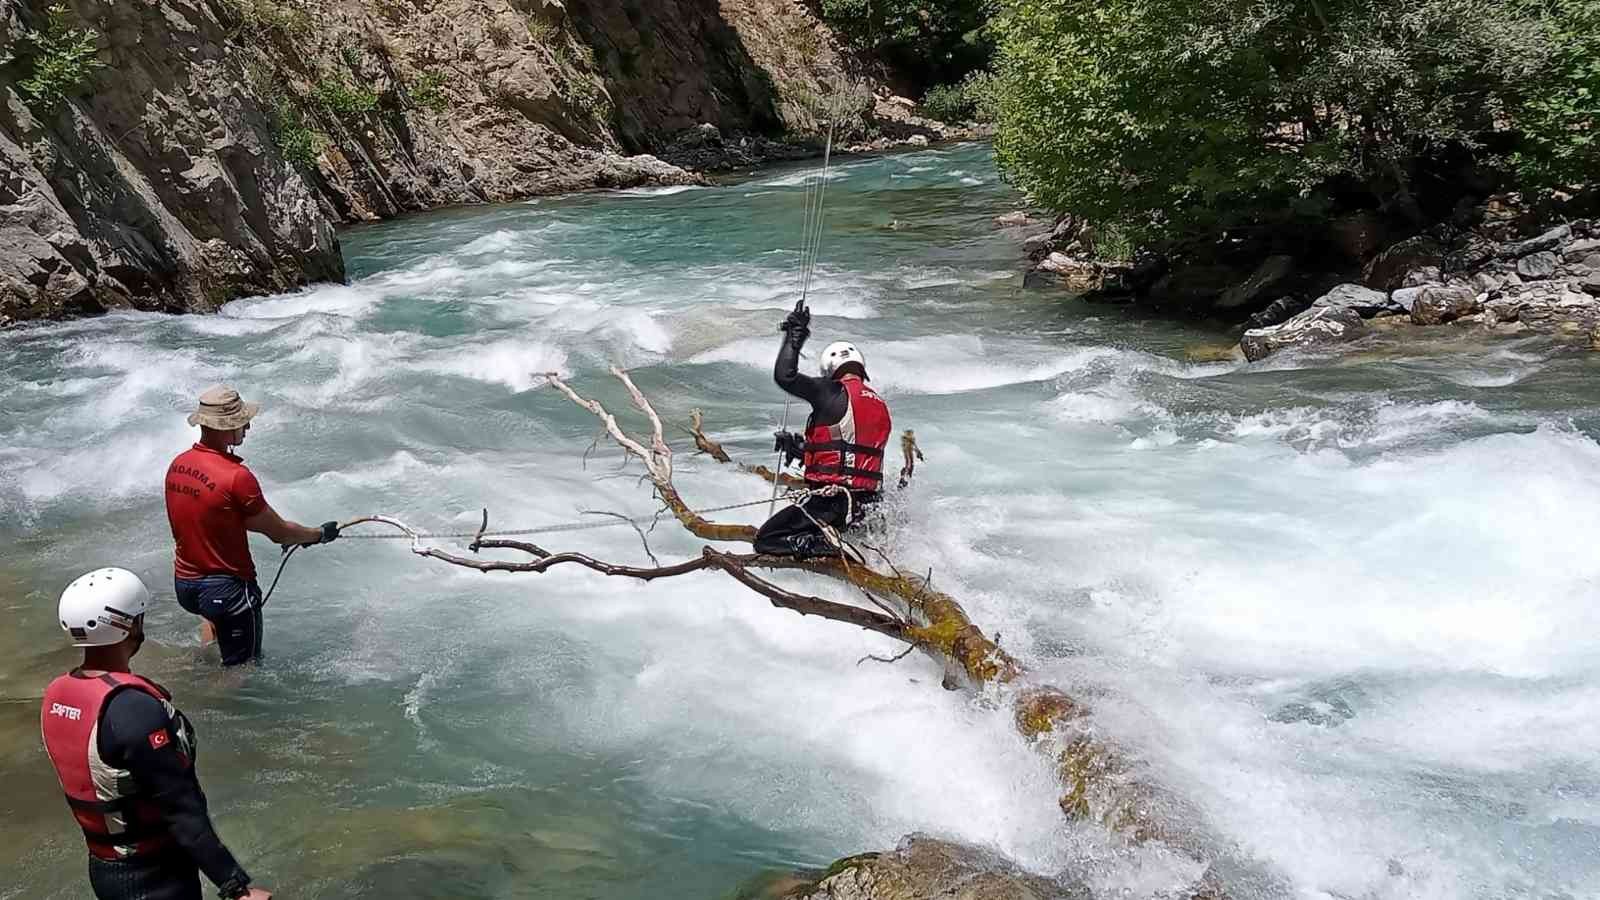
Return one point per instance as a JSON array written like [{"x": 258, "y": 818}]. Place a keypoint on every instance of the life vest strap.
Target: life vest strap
[
  {"x": 852, "y": 471},
  {"x": 844, "y": 447},
  {"x": 102, "y": 807}
]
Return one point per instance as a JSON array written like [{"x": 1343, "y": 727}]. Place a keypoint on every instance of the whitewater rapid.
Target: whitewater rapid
[{"x": 1342, "y": 605}]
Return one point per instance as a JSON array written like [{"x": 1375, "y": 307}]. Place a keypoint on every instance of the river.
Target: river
[{"x": 1343, "y": 605}]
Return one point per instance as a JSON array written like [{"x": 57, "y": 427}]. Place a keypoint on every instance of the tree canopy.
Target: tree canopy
[{"x": 1171, "y": 117}]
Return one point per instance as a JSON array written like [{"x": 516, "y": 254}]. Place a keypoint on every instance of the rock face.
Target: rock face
[
  {"x": 923, "y": 868},
  {"x": 160, "y": 191},
  {"x": 219, "y": 143},
  {"x": 1318, "y": 325}
]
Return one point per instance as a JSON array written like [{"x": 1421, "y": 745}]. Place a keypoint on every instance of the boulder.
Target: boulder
[
  {"x": 1315, "y": 326},
  {"x": 925, "y": 868},
  {"x": 1579, "y": 249},
  {"x": 1484, "y": 283},
  {"x": 1424, "y": 275},
  {"x": 918, "y": 140},
  {"x": 1037, "y": 245},
  {"x": 1590, "y": 284},
  {"x": 1405, "y": 298},
  {"x": 1364, "y": 300},
  {"x": 1076, "y": 274},
  {"x": 1538, "y": 265},
  {"x": 1273, "y": 270},
  {"x": 1388, "y": 269},
  {"x": 1550, "y": 240},
  {"x": 1015, "y": 219},
  {"x": 1473, "y": 254},
  {"x": 1279, "y": 310},
  {"x": 1437, "y": 304}
]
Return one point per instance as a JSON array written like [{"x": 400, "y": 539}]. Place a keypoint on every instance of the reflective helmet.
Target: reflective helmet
[
  {"x": 837, "y": 354},
  {"x": 102, "y": 607}
]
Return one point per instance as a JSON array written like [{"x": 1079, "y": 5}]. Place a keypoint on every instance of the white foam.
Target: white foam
[{"x": 517, "y": 363}]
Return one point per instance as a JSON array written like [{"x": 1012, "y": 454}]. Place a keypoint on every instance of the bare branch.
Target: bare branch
[
  {"x": 912, "y": 453},
  {"x": 631, "y": 524},
  {"x": 706, "y": 445},
  {"x": 703, "y": 443},
  {"x": 887, "y": 659}
]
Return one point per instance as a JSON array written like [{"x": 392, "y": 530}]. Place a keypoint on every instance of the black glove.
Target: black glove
[
  {"x": 797, "y": 324},
  {"x": 330, "y": 530},
  {"x": 791, "y": 445}
]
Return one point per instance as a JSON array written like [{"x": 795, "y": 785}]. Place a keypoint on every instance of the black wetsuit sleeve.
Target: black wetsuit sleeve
[
  {"x": 827, "y": 397},
  {"x": 136, "y": 734}
]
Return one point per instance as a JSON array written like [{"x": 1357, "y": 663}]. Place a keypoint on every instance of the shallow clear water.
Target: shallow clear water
[{"x": 1343, "y": 605}]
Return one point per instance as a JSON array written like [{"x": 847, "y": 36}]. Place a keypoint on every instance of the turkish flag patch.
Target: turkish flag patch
[{"x": 159, "y": 738}]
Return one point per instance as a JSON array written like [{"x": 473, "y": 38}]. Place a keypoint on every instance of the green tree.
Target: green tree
[
  {"x": 1169, "y": 116},
  {"x": 933, "y": 41},
  {"x": 60, "y": 60}
]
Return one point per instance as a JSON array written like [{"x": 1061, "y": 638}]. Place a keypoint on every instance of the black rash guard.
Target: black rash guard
[
  {"x": 126, "y": 723},
  {"x": 828, "y": 398}
]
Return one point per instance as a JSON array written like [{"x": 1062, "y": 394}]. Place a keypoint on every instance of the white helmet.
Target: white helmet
[
  {"x": 837, "y": 354},
  {"x": 99, "y": 608}
]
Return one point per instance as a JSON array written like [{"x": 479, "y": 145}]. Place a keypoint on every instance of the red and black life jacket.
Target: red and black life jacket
[
  {"x": 850, "y": 451},
  {"x": 117, "y": 819}
]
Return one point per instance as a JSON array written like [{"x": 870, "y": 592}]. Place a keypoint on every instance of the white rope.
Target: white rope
[
  {"x": 794, "y": 496},
  {"x": 810, "y": 246}
]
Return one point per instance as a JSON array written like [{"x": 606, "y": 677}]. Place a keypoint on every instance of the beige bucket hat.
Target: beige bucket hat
[{"x": 222, "y": 409}]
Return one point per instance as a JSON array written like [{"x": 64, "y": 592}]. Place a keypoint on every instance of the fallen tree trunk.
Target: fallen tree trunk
[{"x": 1100, "y": 783}]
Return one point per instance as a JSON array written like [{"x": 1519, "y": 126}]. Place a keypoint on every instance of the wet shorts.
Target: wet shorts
[
  {"x": 170, "y": 876},
  {"x": 233, "y": 606}
]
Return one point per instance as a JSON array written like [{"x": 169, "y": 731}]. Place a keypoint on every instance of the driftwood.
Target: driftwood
[{"x": 1100, "y": 783}]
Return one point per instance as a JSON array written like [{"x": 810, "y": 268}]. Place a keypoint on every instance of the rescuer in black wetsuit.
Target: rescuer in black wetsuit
[
  {"x": 841, "y": 449},
  {"x": 125, "y": 757}
]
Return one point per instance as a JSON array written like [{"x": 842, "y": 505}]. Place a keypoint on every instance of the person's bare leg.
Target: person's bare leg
[{"x": 208, "y": 633}]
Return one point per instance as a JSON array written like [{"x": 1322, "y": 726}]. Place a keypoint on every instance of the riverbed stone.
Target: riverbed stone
[
  {"x": 1388, "y": 270},
  {"x": 1364, "y": 300},
  {"x": 1318, "y": 325},
  {"x": 1579, "y": 249},
  {"x": 1590, "y": 284},
  {"x": 1438, "y": 304},
  {"x": 1542, "y": 264},
  {"x": 1075, "y": 274},
  {"x": 924, "y": 868},
  {"x": 1279, "y": 310},
  {"x": 1405, "y": 298},
  {"x": 1549, "y": 240}
]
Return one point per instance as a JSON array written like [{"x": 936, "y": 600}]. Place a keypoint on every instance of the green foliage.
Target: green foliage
[
  {"x": 543, "y": 33},
  {"x": 585, "y": 94},
  {"x": 427, "y": 92},
  {"x": 60, "y": 62},
  {"x": 347, "y": 102},
  {"x": 291, "y": 131},
  {"x": 972, "y": 100},
  {"x": 1111, "y": 244},
  {"x": 1167, "y": 116},
  {"x": 934, "y": 41},
  {"x": 299, "y": 142},
  {"x": 1560, "y": 124},
  {"x": 261, "y": 19}
]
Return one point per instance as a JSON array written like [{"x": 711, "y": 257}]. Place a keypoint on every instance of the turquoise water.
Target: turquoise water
[{"x": 1341, "y": 605}]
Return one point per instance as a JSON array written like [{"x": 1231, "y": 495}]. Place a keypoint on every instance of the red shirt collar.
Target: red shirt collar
[{"x": 222, "y": 453}]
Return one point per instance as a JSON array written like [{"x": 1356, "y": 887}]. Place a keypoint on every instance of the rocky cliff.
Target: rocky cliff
[{"x": 175, "y": 154}]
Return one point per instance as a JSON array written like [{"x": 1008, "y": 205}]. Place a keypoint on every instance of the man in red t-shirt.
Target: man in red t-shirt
[{"x": 212, "y": 500}]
